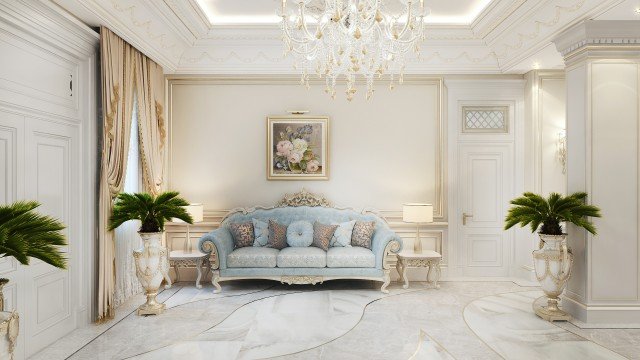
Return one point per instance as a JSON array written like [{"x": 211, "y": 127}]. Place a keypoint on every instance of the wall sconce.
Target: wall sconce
[{"x": 562, "y": 149}]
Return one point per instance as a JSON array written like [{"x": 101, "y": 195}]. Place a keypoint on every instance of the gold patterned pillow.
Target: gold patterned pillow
[
  {"x": 243, "y": 234},
  {"x": 277, "y": 235},
  {"x": 322, "y": 235},
  {"x": 362, "y": 233}
]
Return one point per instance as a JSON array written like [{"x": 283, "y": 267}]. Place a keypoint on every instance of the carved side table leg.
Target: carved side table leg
[
  {"x": 175, "y": 268},
  {"x": 199, "y": 269},
  {"x": 438, "y": 274},
  {"x": 399, "y": 269},
  {"x": 434, "y": 264},
  {"x": 404, "y": 275}
]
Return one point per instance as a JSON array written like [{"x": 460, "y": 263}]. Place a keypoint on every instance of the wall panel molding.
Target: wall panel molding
[{"x": 440, "y": 203}]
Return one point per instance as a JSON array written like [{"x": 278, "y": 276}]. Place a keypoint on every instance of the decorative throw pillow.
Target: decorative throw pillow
[
  {"x": 362, "y": 233},
  {"x": 242, "y": 234},
  {"x": 300, "y": 234},
  {"x": 261, "y": 232},
  {"x": 277, "y": 235},
  {"x": 342, "y": 235},
  {"x": 322, "y": 235}
]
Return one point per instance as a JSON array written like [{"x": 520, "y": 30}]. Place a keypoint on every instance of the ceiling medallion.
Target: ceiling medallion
[{"x": 343, "y": 38}]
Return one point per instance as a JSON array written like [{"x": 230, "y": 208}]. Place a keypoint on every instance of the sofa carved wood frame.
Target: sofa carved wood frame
[{"x": 302, "y": 198}]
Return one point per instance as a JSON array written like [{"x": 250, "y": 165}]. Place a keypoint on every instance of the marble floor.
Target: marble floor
[{"x": 343, "y": 320}]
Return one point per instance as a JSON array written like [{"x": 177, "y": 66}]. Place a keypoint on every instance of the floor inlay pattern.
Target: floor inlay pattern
[
  {"x": 335, "y": 320},
  {"x": 276, "y": 326},
  {"x": 428, "y": 349},
  {"x": 507, "y": 323}
]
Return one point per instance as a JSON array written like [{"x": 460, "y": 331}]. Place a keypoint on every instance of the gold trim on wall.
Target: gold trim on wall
[{"x": 440, "y": 200}]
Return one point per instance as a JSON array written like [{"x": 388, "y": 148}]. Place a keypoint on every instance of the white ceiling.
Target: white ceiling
[
  {"x": 224, "y": 12},
  {"x": 240, "y": 36}
]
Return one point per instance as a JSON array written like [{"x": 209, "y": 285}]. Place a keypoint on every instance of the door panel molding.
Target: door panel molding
[{"x": 485, "y": 184}]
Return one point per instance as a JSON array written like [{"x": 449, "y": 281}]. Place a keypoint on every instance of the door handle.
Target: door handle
[{"x": 464, "y": 218}]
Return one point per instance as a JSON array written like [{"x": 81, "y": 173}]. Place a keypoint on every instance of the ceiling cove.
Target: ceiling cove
[{"x": 243, "y": 37}]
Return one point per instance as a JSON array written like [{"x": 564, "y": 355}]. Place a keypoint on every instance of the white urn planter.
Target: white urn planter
[
  {"x": 552, "y": 263},
  {"x": 152, "y": 266},
  {"x": 9, "y": 327},
  {"x": 8, "y": 333}
]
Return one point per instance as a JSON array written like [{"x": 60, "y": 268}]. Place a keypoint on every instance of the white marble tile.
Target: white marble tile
[
  {"x": 429, "y": 349},
  {"x": 284, "y": 324},
  {"x": 337, "y": 320},
  {"x": 509, "y": 326}
]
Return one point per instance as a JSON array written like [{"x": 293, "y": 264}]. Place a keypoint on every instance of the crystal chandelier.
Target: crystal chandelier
[{"x": 344, "y": 38}]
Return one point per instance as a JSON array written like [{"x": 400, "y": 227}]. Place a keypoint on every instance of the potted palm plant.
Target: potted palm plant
[
  {"x": 25, "y": 234},
  {"x": 553, "y": 260},
  {"x": 152, "y": 263}
]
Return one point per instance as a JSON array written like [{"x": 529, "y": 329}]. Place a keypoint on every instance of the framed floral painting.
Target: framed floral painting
[{"x": 297, "y": 147}]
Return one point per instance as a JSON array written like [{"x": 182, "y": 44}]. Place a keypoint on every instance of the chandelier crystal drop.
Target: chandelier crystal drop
[{"x": 343, "y": 38}]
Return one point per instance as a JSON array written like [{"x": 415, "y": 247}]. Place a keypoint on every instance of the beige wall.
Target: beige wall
[{"x": 382, "y": 152}]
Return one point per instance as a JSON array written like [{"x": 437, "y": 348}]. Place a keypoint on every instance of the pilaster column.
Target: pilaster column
[{"x": 602, "y": 61}]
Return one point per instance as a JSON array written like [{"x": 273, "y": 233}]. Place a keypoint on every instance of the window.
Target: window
[{"x": 485, "y": 119}]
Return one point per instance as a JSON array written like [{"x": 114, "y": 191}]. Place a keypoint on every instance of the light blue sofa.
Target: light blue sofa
[{"x": 300, "y": 265}]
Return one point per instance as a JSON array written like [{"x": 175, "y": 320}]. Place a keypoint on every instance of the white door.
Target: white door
[
  {"x": 485, "y": 187},
  {"x": 51, "y": 179}
]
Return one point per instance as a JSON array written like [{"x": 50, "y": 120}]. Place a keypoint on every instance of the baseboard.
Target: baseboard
[{"x": 602, "y": 316}]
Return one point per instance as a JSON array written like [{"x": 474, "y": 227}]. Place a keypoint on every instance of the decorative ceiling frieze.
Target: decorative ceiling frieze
[{"x": 178, "y": 35}]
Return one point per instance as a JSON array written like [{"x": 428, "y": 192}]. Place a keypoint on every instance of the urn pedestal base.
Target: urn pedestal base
[
  {"x": 152, "y": 306},
  {"x": 551, "y": 312}
]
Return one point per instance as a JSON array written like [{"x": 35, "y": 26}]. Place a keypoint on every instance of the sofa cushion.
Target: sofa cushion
[
  {"x": 322, "y": 235},
  {"x": 300, "y": 234},
  {"x": 252, "y": 257},
  {"x": 350, "y": 257},
  {"x": 296, "y": 257},
  {"x": 362, "y": 233},
  {"x": 277, "y": 235},
  {"x": 242, "y": 234},
  {"x": 261, "y": 232},
  {"x": 342, "y": 235}
]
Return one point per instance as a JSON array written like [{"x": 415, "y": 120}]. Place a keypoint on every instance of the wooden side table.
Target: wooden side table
[
  {"x": 428, "y": 258},
  {"x": 195, "y": 258}
]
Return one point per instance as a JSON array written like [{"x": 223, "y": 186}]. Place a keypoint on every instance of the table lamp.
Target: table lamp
[
  {"x": 419, "y": 214},
  {"x": 197, "y": 214}
]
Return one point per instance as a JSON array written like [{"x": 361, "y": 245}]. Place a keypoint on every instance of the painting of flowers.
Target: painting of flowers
[{"x": 297, "y": 148}]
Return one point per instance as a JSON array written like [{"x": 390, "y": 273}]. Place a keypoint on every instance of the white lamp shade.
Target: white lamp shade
[
  {"x": 195, "y": 210},
  {"x": 417, "y": 213}
]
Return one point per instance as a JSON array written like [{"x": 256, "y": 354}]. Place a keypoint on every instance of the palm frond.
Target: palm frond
[
  {"x": 534, "y": 210},
  {"x": 152, "y": 211},
  {"x": 25, "y": 233}
]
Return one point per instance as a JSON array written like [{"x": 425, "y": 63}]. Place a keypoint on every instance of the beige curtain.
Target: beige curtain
[
  {"x": 125, "y": 70},
  {"x": 152, "y": 127}
]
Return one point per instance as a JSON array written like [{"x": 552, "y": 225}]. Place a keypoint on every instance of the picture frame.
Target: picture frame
[{"x": 298, "y": 147}]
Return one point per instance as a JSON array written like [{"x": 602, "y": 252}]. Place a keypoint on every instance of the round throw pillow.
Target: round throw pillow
[{"x": 300, "y": 234}]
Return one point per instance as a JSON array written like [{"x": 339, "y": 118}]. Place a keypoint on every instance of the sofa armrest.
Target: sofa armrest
[
  {"x": 381, "y": 239},
  {"x": 220, "y": 242}
]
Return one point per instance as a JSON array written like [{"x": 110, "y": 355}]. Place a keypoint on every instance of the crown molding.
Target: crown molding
[
  {"x": 47, "y": 23},
  {"x": 603, "y": 33},
  {"x": 530, "y": 36},
  {"x": 178, "y": 35}
]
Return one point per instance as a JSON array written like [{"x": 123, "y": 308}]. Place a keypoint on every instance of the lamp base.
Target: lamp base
[{"x": 417, "y": 244}]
